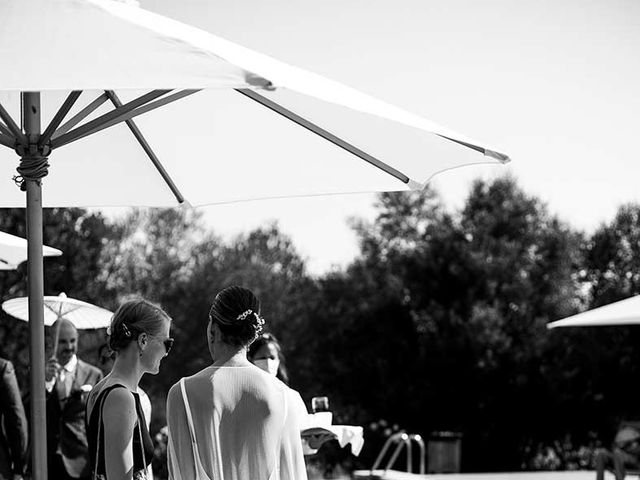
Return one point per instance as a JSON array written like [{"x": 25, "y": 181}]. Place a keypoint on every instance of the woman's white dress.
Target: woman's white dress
[{"x": 245, "y": 427}]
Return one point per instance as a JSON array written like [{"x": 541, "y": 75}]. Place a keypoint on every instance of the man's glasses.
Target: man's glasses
[{"x": 168, "y": 344}]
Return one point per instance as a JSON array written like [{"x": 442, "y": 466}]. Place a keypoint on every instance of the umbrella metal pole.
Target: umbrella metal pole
[{"x": 31, "y": 123}]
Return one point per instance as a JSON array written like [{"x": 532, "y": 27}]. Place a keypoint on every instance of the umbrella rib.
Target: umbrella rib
[
  {"x": 5, "y": 130},
  {"x": 147, "y": 148},
  {"x": 465, "y": 144},
  {"x": 158, "y": 103},
  {"x": 81, "y": 115},
  {"x": 140, "y": 110},
  {"x": 111, "y": 118},
  {"x": 12, "y": 126},
  {"x": 147, "y": 108},
  {"x": 59, "y": 117},
  {"x": 323, "y": 133},
  {"x": 71, "y": 309},
  {"x": 7, "y": 141}
]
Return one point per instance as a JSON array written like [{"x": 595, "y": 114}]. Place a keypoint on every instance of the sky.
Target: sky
[{"x": 552, "y": 83}]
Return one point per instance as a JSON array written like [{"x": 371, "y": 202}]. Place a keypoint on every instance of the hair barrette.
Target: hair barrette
[{"x": 125, "y": 329}]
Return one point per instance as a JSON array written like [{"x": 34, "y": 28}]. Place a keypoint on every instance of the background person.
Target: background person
[
  {"x": 239, "y": 417},
  {"x": 14, "y": 435},
  {"x": 266, "y": 353},
  {"x": 119, "y": 441},
  {"x": 68, "y": 380}
]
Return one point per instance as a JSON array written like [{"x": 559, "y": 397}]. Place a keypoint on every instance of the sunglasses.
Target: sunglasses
[{"x": 168, "y": 344}]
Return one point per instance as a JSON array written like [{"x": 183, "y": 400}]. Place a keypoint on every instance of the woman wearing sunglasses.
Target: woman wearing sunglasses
[{"x": 119, "y": 443}]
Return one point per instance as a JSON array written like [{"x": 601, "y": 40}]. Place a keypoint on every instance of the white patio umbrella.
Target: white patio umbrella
[
  {"x": 83, "y": 315},
  {"x": 624, "y": 312},
  {"x": 13, "y": 251},
  {"x": 87, "y": 68}
]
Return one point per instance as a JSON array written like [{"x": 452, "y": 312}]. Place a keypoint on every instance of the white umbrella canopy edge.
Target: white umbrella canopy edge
[
  {"x": 13, "y": 251},
  {"x": 623, "y": 312},
  {"x": 235, "y": 147}
]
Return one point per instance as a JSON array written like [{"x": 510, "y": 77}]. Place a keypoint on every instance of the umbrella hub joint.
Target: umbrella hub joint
[{"x": 34, "y": 163}]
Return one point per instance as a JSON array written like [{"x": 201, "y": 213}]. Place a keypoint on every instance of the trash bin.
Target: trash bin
[{"x": 443, "y": 452}]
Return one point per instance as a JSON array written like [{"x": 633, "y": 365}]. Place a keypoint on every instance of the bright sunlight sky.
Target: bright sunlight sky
[{"x": 553, "y": 83}]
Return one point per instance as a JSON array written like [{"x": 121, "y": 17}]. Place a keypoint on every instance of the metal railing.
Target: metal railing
[{"x": 402, "y": 439}]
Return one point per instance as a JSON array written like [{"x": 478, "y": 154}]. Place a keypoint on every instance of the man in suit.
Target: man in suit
[
  {"x": 68, "y": 382},
  {"x": 13, "y": 425}
]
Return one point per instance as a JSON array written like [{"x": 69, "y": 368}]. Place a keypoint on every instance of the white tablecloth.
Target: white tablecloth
[{"x": 345, "y": 434}]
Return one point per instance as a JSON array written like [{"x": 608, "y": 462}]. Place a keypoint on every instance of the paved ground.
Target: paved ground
[{"x": 580, "y": 475}]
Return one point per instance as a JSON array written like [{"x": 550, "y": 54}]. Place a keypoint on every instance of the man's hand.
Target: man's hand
[
  {"x": 315, "y": 437},
  {"x": 51, "y": 369},
  {"x": 316, "y": 440}
]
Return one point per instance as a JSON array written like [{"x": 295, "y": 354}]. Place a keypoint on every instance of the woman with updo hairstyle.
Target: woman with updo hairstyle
[
  {"x": 231, "y": 420},
  {"x": 119, "y": 443}
]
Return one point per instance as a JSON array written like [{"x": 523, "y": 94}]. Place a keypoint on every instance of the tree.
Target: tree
[
  {"x": 606, "y": 359},
  {"x": 525, "y": 262},
  {"x": 613, "y": 258},
  {"x": 478, "y": 287}
]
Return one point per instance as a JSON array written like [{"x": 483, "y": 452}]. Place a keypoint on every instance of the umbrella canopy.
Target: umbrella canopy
[
  {"x": 13, "y": 251},
  {"x": 221, "y": 136},
  {"x": 78, "y": 90},
  {"x": 624, "y": 312},
  {"x": 83, "y": 315}
]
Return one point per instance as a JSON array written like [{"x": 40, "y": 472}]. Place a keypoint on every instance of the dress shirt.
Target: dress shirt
[{"x": 67, "y": 370}]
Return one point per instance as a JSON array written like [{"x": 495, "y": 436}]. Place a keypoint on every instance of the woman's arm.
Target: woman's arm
[{"x": 118, "y": 420}]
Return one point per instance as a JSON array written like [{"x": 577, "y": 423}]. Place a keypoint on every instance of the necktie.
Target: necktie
[{"x": 63, "y": 384}]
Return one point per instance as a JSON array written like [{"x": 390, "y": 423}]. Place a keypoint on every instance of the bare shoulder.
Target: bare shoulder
[
  {"x": 175, "y": 392},
  {"x": 190, "y": 383},
  {"x": 119, "y": 408},
  {"x": 194, "y": 386},
  {"x": 119, "y": 397}
]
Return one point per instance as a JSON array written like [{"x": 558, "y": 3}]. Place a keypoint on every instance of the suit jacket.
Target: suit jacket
[
  {"x": 13, "y": 423},
  {"x": 66, "y": 431}
]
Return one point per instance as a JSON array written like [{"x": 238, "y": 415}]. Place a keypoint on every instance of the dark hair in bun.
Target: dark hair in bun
[
  {"x": 236, "y": 311},
  {"x": 133, "y": 318}
]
